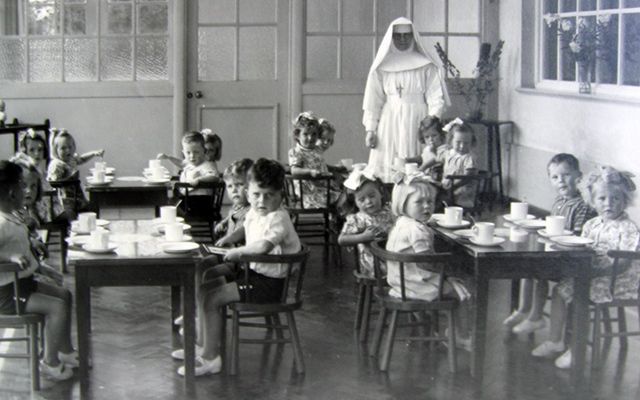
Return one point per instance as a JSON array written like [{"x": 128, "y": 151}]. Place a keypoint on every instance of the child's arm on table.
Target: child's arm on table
[
  {"x": 304, "y": 171},
  {"x": 231, "y": 238},
  {"x": 83, "y": 158},
  {"x": 257, "y": 247}
]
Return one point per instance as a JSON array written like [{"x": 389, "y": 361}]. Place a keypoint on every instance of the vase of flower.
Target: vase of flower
[{"x": 584, "y": 77}]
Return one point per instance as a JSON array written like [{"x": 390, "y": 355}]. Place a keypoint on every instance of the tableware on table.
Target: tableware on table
[
  {"x": 98, "y": 175},
  {"x": 130, "y": 178},
  {"x": 544, "y": 233},
  {"x": 158, "y": 173},
  {"x": 437, "y": 217},
  {"x": 78, "y": 240},
  {"x": 518, "y": 235},
  {"x": 107, "y": 170},
  {"x": 462, "y": 224},
  {"x": 154, "y": 181},
  {"x": 155, "y": 163},
  {"x": 168, "y": 214},
  {"x": 502, "y": 232},
  {"x": 530, "y": 223},
  {"x": 483, "y": 232},
  {"x": 173, "y": 232},
  {"x": 90, "y": 249},
  {"x": 157, "y": 221},
  {"x": 359, "y": 166},
  {"x": 102, "y": 222},
  {"x": 162, "y": 227},
  {"x": 86, "y": 222},
  {"x": 347, "y": 163},
  {"x": 509, "y": 217},
  {"x": 106, "y": 180},
  {"x": 452, "y": 215},
  {"x": 572, "y": 241},
  {"x": 184, "y": 238},
  {"x": 100, "y": 166},
  {"x": 465, "y": 233},
  {"x": 495, "y": 241},
  {"x": 99, "y": 239},
  {"x": 179, "y": 247},
  {"x": 554, "y": 225},
  {"x": 519, "y": 210}
]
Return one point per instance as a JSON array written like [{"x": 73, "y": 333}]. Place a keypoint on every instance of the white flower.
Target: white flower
[
  {"x": 604, "y": 19},
  {"x": 567, "y": 25},
  {"x": 575, "y": 47},
  {"x": 549, "y": 19}
]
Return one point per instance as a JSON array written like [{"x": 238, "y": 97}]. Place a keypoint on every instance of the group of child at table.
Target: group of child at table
[{"x": 258, "y": 223}]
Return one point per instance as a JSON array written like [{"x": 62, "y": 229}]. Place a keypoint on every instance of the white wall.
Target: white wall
[{"x": 596, "y": 130}]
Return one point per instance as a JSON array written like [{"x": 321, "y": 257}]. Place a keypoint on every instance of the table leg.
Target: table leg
[
  {"x": 175, "y": 313},
  {"x": 188, "y": 312},
  {"x": 479, "y": 321},
  {"x": 83, "y": 307},
  {"x": 580, "y": 332}
]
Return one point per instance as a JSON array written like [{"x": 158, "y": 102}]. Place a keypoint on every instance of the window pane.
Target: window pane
[
  {"x": 119, "y": 18},
  {"x": 388, "y": 11},
  {"x": 12, "y": 58},
  {"x": 550, "y": 6},
  {"x": 44, "y": 19},
  {"x": 608, "y": 53},
  {"x": 216, "y": 54},
  {"x": 567, "y": 5},
  {"x": 550, "y": 52},
  {"x": 75, "y": 20},
  {"x": 80, "y": 60},
  {"x": 357, "y": 16},
  {"x": 463, "y": 53},
  {"x": 568, "y": 71},
  {"x": 429, "y": 15},
  {"x": 321, "y": 58},
  {"x": 463, "y": 16},
  {"x": 322, "y": 15},
  {"x": 258, "y": 11},
  {"x": 606, "y": 4},
  {"x": 45, "y": 60},
  {"x": 115, "y": 59},
  {"x": 151, "y": 59},
  {"x": 357, "y": 56},
  {"x": 216, "y": 11},
  {"x": 429, "y": 43},
  {"x": 257, "y": 53},
  {"x": 631, "y": 3},
  {"x": 631, "y": 59},
  {"x": 153, "y": 18},
  {"x": 587, "y": 5}
]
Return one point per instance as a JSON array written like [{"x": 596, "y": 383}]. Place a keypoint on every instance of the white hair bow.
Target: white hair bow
[
  {"x": 401, "y": 177},
  {"x": 206, "y": 131},
  {"x": 451, "y": 124},
  {"x": 358, "y": 177}
]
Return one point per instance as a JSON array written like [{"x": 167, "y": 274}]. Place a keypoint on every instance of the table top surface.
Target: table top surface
[{"x": 128, "y": 183}]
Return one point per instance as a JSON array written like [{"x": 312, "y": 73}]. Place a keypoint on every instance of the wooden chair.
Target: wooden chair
[
  {"x": 29, "y": 322},
  {"x": 621, "y": 261},
  {"x": 481, "y": 180},
  {"x": 290, "y": 300},
  {"x": 365, "y": 285},
  {"x": 57, "y": 230},
  {"x": 397, "y": 305},
  {"x": 72, "y": 189},
  {"x": 202, "y": 220}
]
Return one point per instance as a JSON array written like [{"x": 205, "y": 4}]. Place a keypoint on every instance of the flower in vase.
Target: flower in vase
[{"x": 566, "y": 25}]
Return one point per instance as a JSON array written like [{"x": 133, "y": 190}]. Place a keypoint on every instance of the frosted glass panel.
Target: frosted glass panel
[
  {"x": 390, "y": 10},
  {"x": 321, "y": 58},
  {"x": 80, "y": 60},
  {"x": 463, "y": 53},
  {"x": 429, "y": 15},
  {"x": 12, "y": 58},
  {"x": 216, "y": 11},
  {"x": 357, "y": 56},
  {"x": 463, "y": 16},
  {"x": 429, "y": 43},
  {"x": 258, "y": 11},
  {"x": 119, "y": 18},
  {"x": 75, "y": 19},
  {"x": 44, "y": 19},
  {"x": 151, "y": 59},
  {"x": 216, "y": 54},
  {"x": 257, "y": 53},
  {"x": 357, "y": 16},
  {"x": 152, "y": 18},
  {"x": 115, "y": 58},
  {"x": 322, "y": 15},
  {"x": 45, "y": 56}
]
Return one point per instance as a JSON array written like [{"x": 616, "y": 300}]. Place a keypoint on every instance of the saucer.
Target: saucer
[
  {"x": 462, "y": 224},
  {"x": 179, "y": 247},
  {"x": 78, "y": 240},
  {"x": 543, "y": 232},
  {"x": 90, "y": 249},
  {"x": 92, "y": 182},
  {"x": 531, "y": 223},
  {"x": 160, "y": 227},
  {"x": 465, "y": 233},
  {"x": 107, "y": 170},
  {"x": 185, "y": 238},
  {"x": 496, "y": 241},
  {"x": 572, "y": 241},
  {"x": 159, "y": 221},
  {"x": 509, "y": 218},
  {"x": 437, "y": 216},
  {"x": 102, "y": 222},
  {"x": 154, "y": 181}
]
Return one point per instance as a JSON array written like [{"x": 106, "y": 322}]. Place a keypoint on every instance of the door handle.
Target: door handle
[
  {"x": 189, "y": 95},
  {"x": 198, "y": 94}
]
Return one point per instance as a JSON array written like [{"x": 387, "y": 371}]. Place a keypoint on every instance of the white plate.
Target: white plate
[
  {"x": 455, "y": 226},
  {"x": 572, "y": 241},
  {"x": 157, "y": 221},
  {"x": 75, "y": 229},
  {"x": 156, "y": 181},
  {"x": 218, "y": 250},
  {"x": 496, "y": 241},
  {"x": 543, "y": 232},
  {"x": 466, "y": 233},
  {"x": 437, "y": 216},
  {"x": 78, "y": 240},
  {"x": 130, "y": 178},
  {"x": 90, "y": 249},
  {"x": 107, "y": 181},
  {"x": 160, "y": 227},
  {"x": 185, "y": 238},
  {"x": 179, "y": 247},
  {"x": 102, "y": 222},
  {"x": 107, "y": 170},
  {"x": 531, "y": 223},
  {"x": 509, "y": 218}
]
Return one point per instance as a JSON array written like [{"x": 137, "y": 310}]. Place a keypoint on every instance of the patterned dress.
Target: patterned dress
[
  {"x": 618, "y": 234},
  {"x": 357, "y": 223},
  {"x": 458, "y": 164},
  {"x": 61, "y": 171},
  {"x": 314, "y": 194}
]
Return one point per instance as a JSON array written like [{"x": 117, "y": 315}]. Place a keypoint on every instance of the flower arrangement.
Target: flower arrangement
[
  {"x": 476, "y": 90},
  {"x": 591, "y": 39}
]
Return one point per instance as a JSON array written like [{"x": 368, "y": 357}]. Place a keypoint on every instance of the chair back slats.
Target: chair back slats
[
  {"x": 216, "y": 195},
  {"x": 15, "y": 269},
  {"x": 69, "y": 188},
  {"x": 622, "y": 260},
  {"x": 294, "y": 190}
]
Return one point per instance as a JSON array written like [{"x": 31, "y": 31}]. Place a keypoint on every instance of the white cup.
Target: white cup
[
  {"x": 99, "y": 239},
  {"x": 554, "y": 225},
  {"x": 519, "y": 210},
  {"x": 87, "y": 221},
  {"x": 100, "y": 166},
  {"x": 410, "y": 168},
  {"x": 168, "y": 214},
  {"x": 98, "y": 176},
  {"x": 173, "y": 232},
  {"x": 154, "y": 164},
  {"x": 483, "y": 232},
  {"x": 157, "y": 173},
  {"x": 453, "y": 215},
  {"x": 347, "y": 162},
  {"x": 517, "y": 235}
]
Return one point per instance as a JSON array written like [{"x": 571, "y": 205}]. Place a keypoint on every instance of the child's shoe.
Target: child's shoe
[
  {"x": 564, "y": 361},
  {"x": 58, "y": 373},
  {"x": 71, "y": 360},
  {"x": 514, "y": 319},
  {"x": 204, "y": 366},
  {"x": 528, "y": 326},
  {"x": 178, "y": 321},
  {"x": 547, "y": 349},
  {"x": 179, "y": 354}
]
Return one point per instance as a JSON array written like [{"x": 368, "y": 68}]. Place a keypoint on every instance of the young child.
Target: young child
[
  {"x": 34, "y": 147},
  {"x": 413, "y": 203},
  {"x": 564, "y": 174},
  {"x": 433, "y": 137},
  {"x": 267, "y": 229},
  {"x": 64, "y": 166},
  {"x": 36, "y": 297},
  {"x": 372, "y": 221},
  {"x": 326, "y": 136},
  {"x": 235, "y": 179},
  {"x": 610, "y": 192},
  {"x": 212, "y": 146}
]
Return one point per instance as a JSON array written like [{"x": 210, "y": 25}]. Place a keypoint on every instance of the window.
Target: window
[
  {"x": 616, "y": 26},
  {"x": 84, "y": 40},
  {"x": 342, "y": 36}
]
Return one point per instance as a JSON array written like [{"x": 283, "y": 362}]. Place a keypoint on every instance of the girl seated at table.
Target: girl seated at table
[
  {"x": 610, "y": 192},
  {"x": 413, "y": 202},
  {"x": 33, "y": 147},
  {"x": 434, "y": 140},
  {"x": 16, "y": 245}
]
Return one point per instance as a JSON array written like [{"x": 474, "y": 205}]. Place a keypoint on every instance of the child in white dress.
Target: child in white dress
[{"x": 434, "y": 140}]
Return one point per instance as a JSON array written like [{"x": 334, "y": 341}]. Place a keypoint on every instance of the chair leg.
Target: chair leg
[
  {"x": 235, "y": 343},
  {"x": 377, "y": 334},
  {"x": 278, "y": 322},
  {"x": 388, "y": 346},
  {"x": 606, "y": 321},
  {"x": 595, "y": 346},
  {"x": 359, "y": 307},
  {"x": 34, "y": 357},
  {"x": 223, "y": 336},
  {"x": 295, "y": 342},
  {"x": 452, "y": 351},
  {"x": 366, "y": 313},
  {"x": 622, "y": 328}
]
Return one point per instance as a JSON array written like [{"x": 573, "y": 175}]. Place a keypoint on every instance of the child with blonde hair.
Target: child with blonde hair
[{"x": 434, "y": 140}]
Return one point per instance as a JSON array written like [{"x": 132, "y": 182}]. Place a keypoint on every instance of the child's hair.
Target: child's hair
[
  {"x": 30, "y": 134},
  {"x": 193, "y": 137},
  {"x": 238, "y": 169},
  {"x": 566, "y": 158},
  {"x": 267, "y": 174},
  {"x": 348, "y": 205},
  {"x": 10, "y": 174},
  {"x": 459, "y": 125},
  {"x": 61, "y": 134},
  {"x": 402, "y": 191},
  {"x": 305, "y": 119},
  {"x": 214, "y": 139},
  {"x": 610, "y": 177},
  {"x": 30, "y": 168},
  {"x": 433, "y": 123},
  {"x": 325, "y": 125}
]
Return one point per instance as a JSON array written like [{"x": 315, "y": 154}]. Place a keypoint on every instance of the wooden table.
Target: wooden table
[
  {"x": 138, "y": 261},
  {"x": 128, "y": 193},
  {"x": 536, "y": 257}
]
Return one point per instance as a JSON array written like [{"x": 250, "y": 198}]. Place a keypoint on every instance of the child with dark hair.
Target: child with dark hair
[
  {"x": 235, "y": 179},
  {"x": 212, "y": 145},
  {"x": 267, "y": 229}
]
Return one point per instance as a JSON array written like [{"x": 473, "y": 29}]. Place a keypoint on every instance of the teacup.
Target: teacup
[
  {"x": 173, "y": 232},
  {"x": 518, "y": 235},
  {"x": 98, "y": 176},
  {"x": 519, "y": 210},
  {"x": 168, "y": 214},
  {"x": 453, "y": 215},
  {"x": 483, "y": 232},
  {"x": 554, "y": 225},
  {"x": 100, "y": 166},
  {"x": 99, "y": 239},
  {"x": 87, "y": 221},
  {"x": 157, "y": 173},
  {"x": 154, "y": 164},
  {"x": 347, "y": 163}
]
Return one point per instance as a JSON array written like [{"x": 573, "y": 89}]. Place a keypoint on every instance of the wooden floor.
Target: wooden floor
[{"x": 132, "y": 343}]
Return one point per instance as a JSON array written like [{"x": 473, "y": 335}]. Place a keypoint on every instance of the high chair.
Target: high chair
[
  {"x": 395, "y": 306},
  {"x": 481, "y": 180},
  {"x": 20, "y": 320},
  {"x": 57, "y": 230},
  {"x": 202, "y": 221}
]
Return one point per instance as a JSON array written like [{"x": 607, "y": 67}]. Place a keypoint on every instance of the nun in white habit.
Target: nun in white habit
[{"x": 404, "y": 85}]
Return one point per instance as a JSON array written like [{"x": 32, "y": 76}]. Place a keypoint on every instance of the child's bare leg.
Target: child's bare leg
[
  {"x": 211, "y": 304},
  {"x": 558, "y": 317},
  {"x": 56, "y": 324},
  {"x": 526, "y": 290},
  {"x": 462, "y": 319},
  {"x": 540, "y": 291},
  {"x": 64, "y": 295}
]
